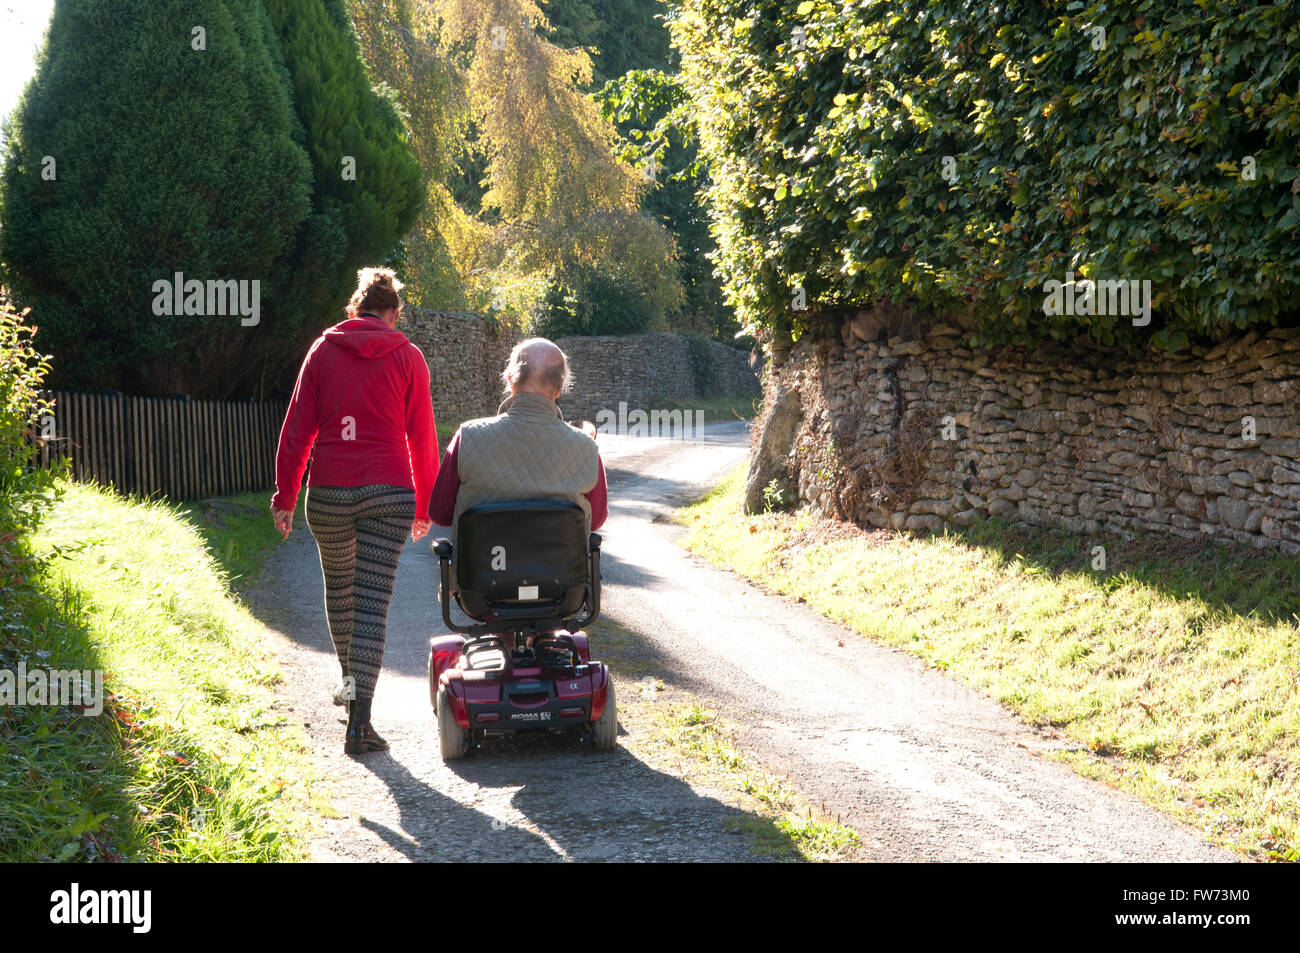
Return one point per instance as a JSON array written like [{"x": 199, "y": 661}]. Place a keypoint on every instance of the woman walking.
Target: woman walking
[{"x": 363, "y": 413}]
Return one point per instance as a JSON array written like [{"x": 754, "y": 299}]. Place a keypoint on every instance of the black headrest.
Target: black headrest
[{"x": 501, "y": 546}]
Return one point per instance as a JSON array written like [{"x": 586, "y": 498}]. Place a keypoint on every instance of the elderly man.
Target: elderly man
[{"x": 525, "y": 452}]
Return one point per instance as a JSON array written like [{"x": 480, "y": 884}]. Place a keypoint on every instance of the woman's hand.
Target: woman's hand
[
  {"x": 283, "y": 521},
  {"x": 419, "y": 528}
]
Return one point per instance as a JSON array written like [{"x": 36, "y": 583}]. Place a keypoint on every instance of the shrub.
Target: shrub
[
  {"x": 26, "y": 489},
  {"x": 1139, "y": 141},
  {"x": 589, "y": 300}
]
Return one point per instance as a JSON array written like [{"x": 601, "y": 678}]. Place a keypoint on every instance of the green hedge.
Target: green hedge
[{"x": 1110, "y": 140}]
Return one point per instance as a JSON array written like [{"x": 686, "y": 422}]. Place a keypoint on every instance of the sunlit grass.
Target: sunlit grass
[
  {"x": 1179, "y": 677},
  {"x": 782, "y": 825},
  {"x": 189, "y": 760}
]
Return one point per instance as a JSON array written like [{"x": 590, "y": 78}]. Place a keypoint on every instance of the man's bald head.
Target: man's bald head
[{"x": 539, "y": 367}]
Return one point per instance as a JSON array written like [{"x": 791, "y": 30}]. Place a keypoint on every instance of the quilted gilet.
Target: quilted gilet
[{"x": 526, "y": 452}]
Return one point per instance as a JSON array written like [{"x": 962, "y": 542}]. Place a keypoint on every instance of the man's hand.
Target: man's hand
[
  {"x": 283, "y": 521},
  {"x": 587, "y": 427},
  {"x": 419, "y": 528}
]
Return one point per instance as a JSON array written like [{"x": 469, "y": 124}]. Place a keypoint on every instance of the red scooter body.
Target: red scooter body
[{"x": 528, "y": 571}]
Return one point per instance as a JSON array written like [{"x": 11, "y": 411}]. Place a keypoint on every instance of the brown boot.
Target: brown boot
[{"x": 361, "y": 738}]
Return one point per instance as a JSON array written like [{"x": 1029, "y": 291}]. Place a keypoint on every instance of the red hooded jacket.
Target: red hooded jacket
[{"x": 363, "y": 413}]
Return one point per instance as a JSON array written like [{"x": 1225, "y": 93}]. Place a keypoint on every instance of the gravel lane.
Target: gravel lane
[
  {"x": 921, "y": 767},
  {"x": 533, "y": 799}
]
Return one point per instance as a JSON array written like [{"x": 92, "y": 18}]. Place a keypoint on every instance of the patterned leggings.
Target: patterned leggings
[{"x": 360, "y": 531}]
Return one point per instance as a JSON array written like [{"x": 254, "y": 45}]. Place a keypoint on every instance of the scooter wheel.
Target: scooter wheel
[
  {"x": 452, "y": 738},
  {"x": 605, "y": 728}
]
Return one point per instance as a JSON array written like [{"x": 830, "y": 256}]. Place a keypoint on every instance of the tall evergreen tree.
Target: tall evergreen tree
[
  {"x": 399, "y": 44},
  {"x": 367, "y": 181},
  {"x": 155, "y": 137},
  {"x": 225, "y": 140}
]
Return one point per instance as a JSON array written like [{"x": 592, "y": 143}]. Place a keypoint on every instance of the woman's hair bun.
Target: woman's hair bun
[{"x": 377, "y": 289}]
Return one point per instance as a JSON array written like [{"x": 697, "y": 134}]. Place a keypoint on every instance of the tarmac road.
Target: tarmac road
[{"x": 921, "y": 767}]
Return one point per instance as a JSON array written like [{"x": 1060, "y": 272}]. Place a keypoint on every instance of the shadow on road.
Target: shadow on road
[
  {"x": 435, "y": 827},
  {"x": 631, "y": 490},
  {"x": 612, "y": 806}
]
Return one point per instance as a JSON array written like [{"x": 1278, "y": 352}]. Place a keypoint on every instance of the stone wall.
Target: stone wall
[
  {"x": 642, "y": 368},
  {"x": 928, "y": 432},
  {"x": 737, "y": 370},
  {"x": 465, "y": 357},
  {"x": 466, "y": 360}
]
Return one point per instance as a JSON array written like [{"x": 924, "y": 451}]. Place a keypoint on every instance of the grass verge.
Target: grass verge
[
  {"x": 445, "y": 432},
  {"x": 237, "y": 531},
  {"x": 187, "y": 760},
  {"x": 1176, "y": 671},
  {"x": 715, "y": 409},
  {"x": 672, "y": 729}
]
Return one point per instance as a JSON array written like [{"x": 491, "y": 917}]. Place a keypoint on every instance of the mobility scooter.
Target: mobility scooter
[{"x": 528, "y": 575}]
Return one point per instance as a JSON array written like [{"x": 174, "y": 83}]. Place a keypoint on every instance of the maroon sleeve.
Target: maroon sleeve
[
  {"x": 599, "y": 498},
  {"x": 442, "y": 508},
  {"x": 297, "y": 436},
  {"x": 421, "y": 434}
]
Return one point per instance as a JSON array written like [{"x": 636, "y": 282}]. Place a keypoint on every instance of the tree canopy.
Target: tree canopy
[
  {"x": 555, "y": 198},
  {"x": 134, "y": 155}
]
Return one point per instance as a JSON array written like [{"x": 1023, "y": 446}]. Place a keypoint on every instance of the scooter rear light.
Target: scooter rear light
[
  {"x": 488, "y": 716},
  {"x": 571, "y": 712}
]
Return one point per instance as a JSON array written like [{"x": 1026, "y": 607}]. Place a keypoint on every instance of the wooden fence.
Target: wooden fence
[{"x": 185, "y": 449}]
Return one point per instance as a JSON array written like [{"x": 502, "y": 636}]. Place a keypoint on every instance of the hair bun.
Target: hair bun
[{"x": 377, "y": 289}]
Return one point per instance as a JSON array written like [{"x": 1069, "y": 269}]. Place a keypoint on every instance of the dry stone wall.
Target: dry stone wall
[
  {"x": 466, "y": 357},
  {"x": 913, "y": 434},
  {"x": 639, "y": 369}
]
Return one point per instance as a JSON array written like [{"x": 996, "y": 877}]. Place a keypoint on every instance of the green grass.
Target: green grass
[
  {"x": 693, "y": 730},
  {"x": 715, "y": 409},
  {"x": 237, "y": 531},
  {"x": 445, "y": 432},
  {"x": 189, "y": 759},
  {"x": 1176, "y": 672},
  {"x": 781, "y": 825}
]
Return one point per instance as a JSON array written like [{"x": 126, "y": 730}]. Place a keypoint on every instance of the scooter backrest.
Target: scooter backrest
[{"x": 520, "y": 552}]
